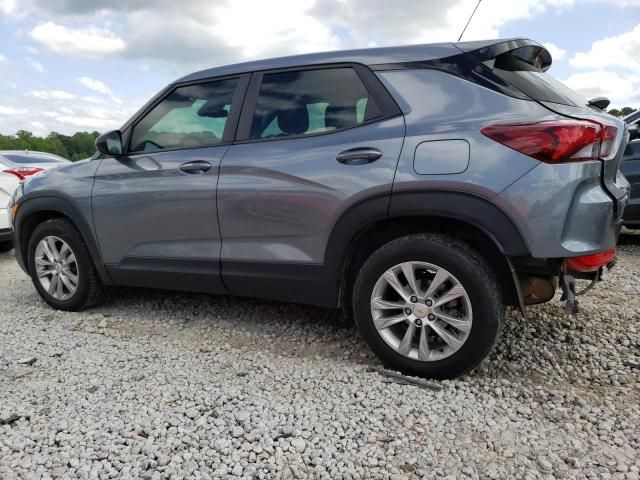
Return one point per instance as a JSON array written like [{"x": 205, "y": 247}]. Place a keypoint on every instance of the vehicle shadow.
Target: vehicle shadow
[
  {"x": 279, "y": 328},
  {"x": 629, "y": 237},
  {"x": 548, "y": 347}
]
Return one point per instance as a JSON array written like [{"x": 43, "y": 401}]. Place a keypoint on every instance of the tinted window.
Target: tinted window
[
  {"x": 26, "y": 159},
  {"x": 190, "y": 116},
  {"x": 311, "y": 101},
  {"x": 535, "y": 83}
]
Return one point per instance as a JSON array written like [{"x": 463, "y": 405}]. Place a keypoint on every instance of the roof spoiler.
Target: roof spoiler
[{"x": 513, "y": 54}]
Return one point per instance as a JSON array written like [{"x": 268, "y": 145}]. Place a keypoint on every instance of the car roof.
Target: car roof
[
  {"x": 44, "y": 156},
  {"x": 367, "y": 56},
  {"x": 632, "y": 117}
]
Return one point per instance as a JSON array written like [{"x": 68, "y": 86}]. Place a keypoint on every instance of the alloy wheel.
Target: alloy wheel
[
  {"x": 421, "y": 311},
  {"x": 56, "y": 267}
]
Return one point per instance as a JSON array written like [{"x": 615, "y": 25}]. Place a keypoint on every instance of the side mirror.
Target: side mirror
[
  {"x": 634, "y": 131},
  {"x": 110, "y": 143},
  {"x": 599, "y": 102}
]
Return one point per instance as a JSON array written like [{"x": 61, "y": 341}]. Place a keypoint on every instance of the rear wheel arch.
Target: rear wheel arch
[{"x": 482, "y": 224}]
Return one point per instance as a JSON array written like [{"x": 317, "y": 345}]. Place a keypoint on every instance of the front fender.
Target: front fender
[{"x": 36, "y": 209}]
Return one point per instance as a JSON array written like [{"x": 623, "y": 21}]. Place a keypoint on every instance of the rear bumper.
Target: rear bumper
[{"x": 564, "y": 211}]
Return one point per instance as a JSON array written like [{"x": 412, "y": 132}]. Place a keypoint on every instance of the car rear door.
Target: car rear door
[
  {"x": 154, "y": 207},
  {"x": 314, "y": 145}
]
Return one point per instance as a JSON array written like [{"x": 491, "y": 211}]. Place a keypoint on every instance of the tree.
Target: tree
[
  {"x": 76, "y": 147},
  {"x": 622, "y": 112}
]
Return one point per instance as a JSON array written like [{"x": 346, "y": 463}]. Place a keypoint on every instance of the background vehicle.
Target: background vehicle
[
  {"x": 631, "y": 169},
  {"x": 14, "y": 167},
  {"x": 420, "y": 188}
]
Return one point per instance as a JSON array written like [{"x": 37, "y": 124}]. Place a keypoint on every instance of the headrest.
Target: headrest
[
  {"x": 340, "y": 117},
  {"x": 213, "y": 110},
  {"x": 295, "y": 119}
]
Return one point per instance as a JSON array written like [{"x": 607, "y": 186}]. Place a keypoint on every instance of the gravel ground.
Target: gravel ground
[{"x": 164, "y": 385}]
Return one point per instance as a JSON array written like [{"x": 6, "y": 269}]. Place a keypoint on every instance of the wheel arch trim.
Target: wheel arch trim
[
  {"x": 61, "y": 207},
  {"x": 474, "y": 210}
]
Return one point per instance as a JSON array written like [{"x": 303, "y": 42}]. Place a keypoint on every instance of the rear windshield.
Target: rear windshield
[
  {"x": 535, "y": 83},
  {"x": 26, "y": 159}
]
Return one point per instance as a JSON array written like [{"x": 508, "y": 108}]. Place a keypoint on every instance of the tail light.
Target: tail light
[
  {"x": 557, "y": 141},
  {"x": 23, "y": 172},
  {"x": 590, "y": 263}
]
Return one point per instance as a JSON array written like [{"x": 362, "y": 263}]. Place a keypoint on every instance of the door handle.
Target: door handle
[
  {"x": 198, "y": 166},
  {"x": 359, "y": 156}
]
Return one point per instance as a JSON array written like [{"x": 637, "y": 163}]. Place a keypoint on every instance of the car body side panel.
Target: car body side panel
[
  {"x": 547, "y": 203},
  {"x": 443, "y": 108},
  {"x": 64, "y": 190}
]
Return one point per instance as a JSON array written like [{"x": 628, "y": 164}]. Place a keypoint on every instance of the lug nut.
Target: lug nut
[
  {"x": 429, "y": 303},
  {"x": 431, "y": 316},
  {"x": 414, "y": 299},
  {"x": 418, "y": 322},
  {"x": 407, "y": 311}
]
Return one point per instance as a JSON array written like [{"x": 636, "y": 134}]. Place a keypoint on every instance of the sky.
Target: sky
[{"x": 70, "y": 65}]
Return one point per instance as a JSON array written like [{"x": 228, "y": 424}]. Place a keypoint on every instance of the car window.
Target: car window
[
  {"x": 191, "y": 116},
  {"x": 311, "y": 101}
]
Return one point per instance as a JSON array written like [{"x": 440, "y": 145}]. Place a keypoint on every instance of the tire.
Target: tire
[
  {"x": 478, "y": 311},
  {"x": 89, "y": 290},
  {"x": 6, "y": 246}
]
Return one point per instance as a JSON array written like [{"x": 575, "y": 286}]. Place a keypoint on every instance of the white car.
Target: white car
[{"x": 15, "y": 166}]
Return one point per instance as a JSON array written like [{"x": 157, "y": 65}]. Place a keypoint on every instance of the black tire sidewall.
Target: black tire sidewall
[
  {"x": 486, "y": 304},
  {"x": 65, "y": 231}
]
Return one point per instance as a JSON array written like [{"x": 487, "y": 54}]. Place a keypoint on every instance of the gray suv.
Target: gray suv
[{"x": 420, "y": 189}]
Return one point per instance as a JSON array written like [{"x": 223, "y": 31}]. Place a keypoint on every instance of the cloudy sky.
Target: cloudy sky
[{"x": 68, "y": 65}]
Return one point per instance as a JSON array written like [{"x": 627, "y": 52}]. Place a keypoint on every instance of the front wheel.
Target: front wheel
[
  {"x": 428, "y": 305},
  {"x": 61, "y": 268}
]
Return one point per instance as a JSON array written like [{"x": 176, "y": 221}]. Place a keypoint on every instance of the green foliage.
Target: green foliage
[
  {"x": 622, "y": 112},
  {"x": 75, "y": 147}
]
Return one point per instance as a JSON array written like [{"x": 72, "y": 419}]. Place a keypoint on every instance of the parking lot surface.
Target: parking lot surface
[{"x": 169, "y": 385}]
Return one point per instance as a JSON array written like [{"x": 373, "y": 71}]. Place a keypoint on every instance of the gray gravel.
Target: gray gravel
[{"x": 161, "y": 385}]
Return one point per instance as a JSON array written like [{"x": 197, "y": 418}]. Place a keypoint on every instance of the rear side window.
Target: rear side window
[
  {"x": 308, "y": 102},
  {"x": 533, "y": 82},
  {"x": 191, "y": 116}
]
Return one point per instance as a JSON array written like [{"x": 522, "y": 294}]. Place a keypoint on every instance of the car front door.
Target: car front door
[
  {"x": 315, "y": 146},
  {"x": 154, "y": 207}
]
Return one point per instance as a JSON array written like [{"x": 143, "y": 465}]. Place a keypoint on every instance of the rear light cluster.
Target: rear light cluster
[
  {"x": 590, "y": 263},
  {"x": 23, "y": 172},
  {"x": 557, "y": 141}
]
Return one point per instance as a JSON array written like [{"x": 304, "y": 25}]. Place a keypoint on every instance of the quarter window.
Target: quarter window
[
  {"x": 311, "y": 101},
  {"x": 191, "y": 116}
]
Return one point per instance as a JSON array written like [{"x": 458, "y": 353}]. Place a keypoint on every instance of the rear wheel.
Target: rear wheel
[
  {"x": 61, "y": 268},
  {"x": 428, "y": 305}
]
